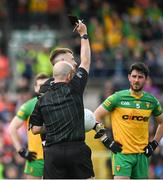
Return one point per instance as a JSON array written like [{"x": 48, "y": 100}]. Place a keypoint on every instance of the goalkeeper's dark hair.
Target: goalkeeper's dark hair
[{"x": 141, "y": 67}]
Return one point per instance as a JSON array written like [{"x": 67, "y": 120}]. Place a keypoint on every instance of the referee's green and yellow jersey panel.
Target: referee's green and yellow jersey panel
[
  {"x": 130, "y": 116},
  {"x": 34, "y": 141}
]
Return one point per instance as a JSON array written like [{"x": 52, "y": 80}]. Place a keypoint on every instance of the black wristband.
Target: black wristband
[
  {"x": 155, "y": 143},
  {"x": 85, "y": 36},
  {"x": 22, "y": 150}
]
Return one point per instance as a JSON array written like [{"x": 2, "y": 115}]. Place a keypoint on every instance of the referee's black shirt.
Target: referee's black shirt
[{"x": 61, "y": 110}]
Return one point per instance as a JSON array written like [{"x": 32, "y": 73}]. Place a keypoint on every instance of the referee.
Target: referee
[{"x": 61, "y": 110}]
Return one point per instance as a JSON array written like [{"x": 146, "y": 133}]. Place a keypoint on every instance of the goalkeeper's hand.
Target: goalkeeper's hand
[
  {"x": 100, "y": 130},
  {"x": 149, "y": 149},
  {"x": 29, "y": 155},
  {"x": 114, "y": 146},
  {"x": 108, "y": 143}
]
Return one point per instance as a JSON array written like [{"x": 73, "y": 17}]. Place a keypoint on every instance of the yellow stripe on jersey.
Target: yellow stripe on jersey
[
  {"x": 20, "y": 113},
  {"x": 130, "y": 128}
]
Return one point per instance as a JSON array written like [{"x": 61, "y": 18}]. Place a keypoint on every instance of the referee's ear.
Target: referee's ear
[{"x": 70, "y": 75}]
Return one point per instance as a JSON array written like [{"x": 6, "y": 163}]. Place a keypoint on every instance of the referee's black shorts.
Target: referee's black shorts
[{"x": 68, "y": 160}]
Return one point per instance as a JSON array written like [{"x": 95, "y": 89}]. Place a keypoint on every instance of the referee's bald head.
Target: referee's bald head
[{"x": 62, "y": 70}]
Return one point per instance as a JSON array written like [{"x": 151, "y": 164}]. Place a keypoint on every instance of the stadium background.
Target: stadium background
[{"x": 121, "y": 32}]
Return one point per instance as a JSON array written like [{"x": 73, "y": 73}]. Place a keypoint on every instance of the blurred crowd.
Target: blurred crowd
[{"x": 120, "y": 33}]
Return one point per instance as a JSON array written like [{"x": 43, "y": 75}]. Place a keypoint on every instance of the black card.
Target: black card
[{"x": 73, "y": 20}]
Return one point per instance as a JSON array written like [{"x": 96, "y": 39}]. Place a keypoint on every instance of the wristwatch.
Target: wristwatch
[{"x": 85, "y": 36}]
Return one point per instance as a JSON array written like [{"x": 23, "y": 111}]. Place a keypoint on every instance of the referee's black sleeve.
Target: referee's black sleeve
[
  {"x": 79, "y": 81},
  {"x": 36, "y": 117}
]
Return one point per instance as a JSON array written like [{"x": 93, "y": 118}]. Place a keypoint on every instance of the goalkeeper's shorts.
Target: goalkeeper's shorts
[
  {"x": 134, "y": 166},
  {"x": 34, "y": 168}
]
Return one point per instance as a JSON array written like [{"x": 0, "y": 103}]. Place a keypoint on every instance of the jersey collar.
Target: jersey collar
[{"x": 137, "y": 96}]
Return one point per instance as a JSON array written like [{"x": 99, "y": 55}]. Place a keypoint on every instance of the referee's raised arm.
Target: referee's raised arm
[{"x": 85, "y": 52}]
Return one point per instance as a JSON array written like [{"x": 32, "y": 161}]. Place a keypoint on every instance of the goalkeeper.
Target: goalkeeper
[{"x": 130, "y": 112}]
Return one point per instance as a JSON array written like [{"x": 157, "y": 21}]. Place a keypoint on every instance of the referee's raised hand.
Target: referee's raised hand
[{"x": 81, "y": 29}]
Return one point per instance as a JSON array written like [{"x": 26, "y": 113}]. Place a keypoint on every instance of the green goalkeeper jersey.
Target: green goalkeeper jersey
[{"x": 130, "y": 116}]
